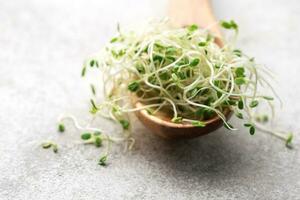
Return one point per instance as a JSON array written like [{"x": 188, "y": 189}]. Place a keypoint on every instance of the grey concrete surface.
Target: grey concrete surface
[{"x": 42, "y": 46}]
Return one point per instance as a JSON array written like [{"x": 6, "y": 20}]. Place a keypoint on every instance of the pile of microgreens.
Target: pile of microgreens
[{"x": 182, "y": 72}]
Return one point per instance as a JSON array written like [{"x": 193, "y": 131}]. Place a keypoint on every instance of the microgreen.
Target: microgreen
[
  {"x": 86, "y": 136},
  {"x": 47, "y": 145},
  {"x": 93, "y": 89},
  {"x": 289, "y": 140},
  {"x": 61, "y": 127},
  {"x": 195, "y": 62},
  {"x": 113, "y": 40},
  {"x": 94, "y": 63},
  {"x": 133, "y": 86},
  {"x": 180, "y": 72},
  {"x": 239, "y": 115},
  {"x": 198, "y": 124},
  {"x": 202, "y": 44},
  {"x": 102, "y": 160},
  {"x": 125, "y": 124},
  {"x": 192, "y": 27},
  {"x": 241, "y": 104},
  {"x": 177, "y": 119},
  {"x": 253, "y": 104},
  {"x": 83, "y": 71},
  {"x": 252, "y": 130},
  {"x": 229, "y": 25},
  {"x": 268, "y": 98},
  {"x": 240, "y": 72},
  {"x": 240, "y": 81},
  {"x": 94, "y": 108},
  {"x": 98, "y": 141}
]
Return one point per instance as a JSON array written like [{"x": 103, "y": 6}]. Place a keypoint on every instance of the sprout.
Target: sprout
[
  {"x": 102, "y": 160},
  {"x": 180, "y": 72},
  {"x": 86, "y": 136},
  {"x": 47, "y": 145},
  {"x": 61, "y": 127}
]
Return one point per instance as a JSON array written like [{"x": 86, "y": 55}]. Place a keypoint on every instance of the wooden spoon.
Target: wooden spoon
[{"x": 182, "y": 13}]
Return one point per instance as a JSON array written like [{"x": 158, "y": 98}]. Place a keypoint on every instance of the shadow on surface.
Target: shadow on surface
[{"x": 217, "y": 155}]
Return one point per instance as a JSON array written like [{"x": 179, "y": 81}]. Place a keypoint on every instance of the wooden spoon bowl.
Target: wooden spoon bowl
[{"x": 161, "y": 125}]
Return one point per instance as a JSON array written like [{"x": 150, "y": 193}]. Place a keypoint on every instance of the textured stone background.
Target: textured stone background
[{"x": 42, "y": 46}]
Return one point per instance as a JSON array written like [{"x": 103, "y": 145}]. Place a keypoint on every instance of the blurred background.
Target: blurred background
[{"x": 42, "y": 47}]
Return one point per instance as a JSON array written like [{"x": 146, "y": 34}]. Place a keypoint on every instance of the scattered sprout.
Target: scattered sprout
[
  {"x": 94, "y": 63},
  {"x": 61, "y": 127},
  {"x": 289, "y": 140},
  {"x": 47, "y": 145},
  {"x": 93, "y": 89},
  {"x": 86, "y": 136},
  {"x": 98, "y": 141},
  {"x": 252, "y": 130},
  {"x": 102, "y": 160},
  {"x": 83, "y": 71},
  {"x": 253, "y": 104},
  {"x": 94, "y": 108},
  {"x": 239, "y": 115}
]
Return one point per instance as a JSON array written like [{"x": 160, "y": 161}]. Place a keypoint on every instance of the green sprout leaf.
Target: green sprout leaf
[
  {"x": 240, "y": 80},
  {"x": 192, "y": 28},
  {"x": 229, "y": 25},
  {"x": 268, "y": 98},
  {"x": 86, "y": 136},
  {"x": 98, "y": 141},
  {"x": 61, "y": 127},
  {"x": 102, "y": 160},
  {"x": 195, "y": 62},
  {"x": 133, "y": 86},
  {"x": 247, "y": 125},
  {"x": 46, "y": 145},
  {"x": 94, "y": 108},
  {"x": 289, "y": 140},
  {"x": 239, "y": 115},
  {"x": 125, "y": 124},
  {"x": 237, "y": 52},
  {"x": 202, "y": 44},
  {"x": 177, "y": 120},
  {"x": 113, "y": 40},
  {"x": 241, "y": 104},
  {"x": 93, "y": 89},
  {"x": 240, "y": 72},
  {"x": 198, "y": 124},
  {"x": 252, "y": 130},
  {"x": 55, "y": 148},
  {"x": 94, "y": 63},
  {"x": 253, "y": 104},
  {"x": 83, "y": 71}
]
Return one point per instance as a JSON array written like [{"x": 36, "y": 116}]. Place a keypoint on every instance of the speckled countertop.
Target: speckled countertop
[{"x": 42, "y": 46}]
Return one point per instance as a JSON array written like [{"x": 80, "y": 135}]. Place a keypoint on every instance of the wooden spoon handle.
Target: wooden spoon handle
[{"x": 186, "y": 12}]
